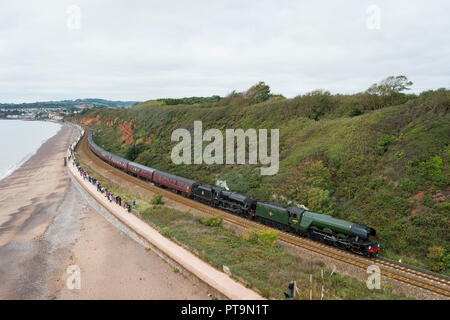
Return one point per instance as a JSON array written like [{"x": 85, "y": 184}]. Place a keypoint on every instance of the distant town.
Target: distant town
[
  {"x": 55, "y": 114},
  {"x": 56, "y": 110}
]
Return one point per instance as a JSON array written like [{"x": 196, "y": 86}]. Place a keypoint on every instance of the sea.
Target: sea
[{"x": 19, "y": 141}]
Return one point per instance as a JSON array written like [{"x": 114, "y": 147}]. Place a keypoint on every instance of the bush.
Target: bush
[
  {"x": 190, "y": 100},
  {"x": 167, "y": 232},
  {"x": 267, "y": 238},
  {"x": 446, "y": 205},
  {"x": 355, "y": 112},
  {"x": 399, "y": 154},
  {"x": 315, "y": 104},
  {"x": 437, "y": 258},
  {"x": 211, "y": 221},
  {"x": 134, "y": 151},
  {"x": 158, "y": 199},
  {"x": 408, "y": 186},
  {"x": 383, "y": 143},
  {"x": 428, "y": 201},
  {"x": 433, "y": 166},
  {"x": 310, "y": 184},
  {"x": 320, "y": 200}
]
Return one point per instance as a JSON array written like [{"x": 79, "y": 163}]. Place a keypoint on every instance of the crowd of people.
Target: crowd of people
[{"x": 108, "y": 194}]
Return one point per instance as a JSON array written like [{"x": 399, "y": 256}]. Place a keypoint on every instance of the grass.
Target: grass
[
  {"x": 264, "y": 266},
  {"x": 158, "y": 199},
  {"x": 211, "y": 221}
]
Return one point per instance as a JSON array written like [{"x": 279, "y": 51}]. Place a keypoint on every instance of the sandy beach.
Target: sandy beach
[{"x": 47, "y": 224}]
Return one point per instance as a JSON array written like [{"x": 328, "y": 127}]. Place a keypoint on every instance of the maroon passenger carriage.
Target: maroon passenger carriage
[
  {"x": 139, "y": 170},
  {"x": 119, "y": 162},
  {"x": 179, "y": 184}
]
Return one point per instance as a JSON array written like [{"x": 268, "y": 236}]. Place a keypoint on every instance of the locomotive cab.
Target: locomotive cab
[
  {"x": 362, "y": 231},
  {"x": 362, "y": 234}
]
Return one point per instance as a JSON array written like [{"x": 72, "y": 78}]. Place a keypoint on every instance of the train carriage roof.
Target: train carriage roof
[
  {"x": 168, "y": 175},
  {"x": 140, "y": 166},
  {"x": 117, "y": 158}
]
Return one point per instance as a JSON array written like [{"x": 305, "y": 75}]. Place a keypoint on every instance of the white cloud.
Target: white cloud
[{"x": 150, "y": 49}]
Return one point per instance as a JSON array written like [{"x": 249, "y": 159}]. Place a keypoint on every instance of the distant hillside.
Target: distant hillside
[
  {"x": 380, "y": 157},
  {"x": 88, "y": 103},
  {"x": 187, "y": 100}
]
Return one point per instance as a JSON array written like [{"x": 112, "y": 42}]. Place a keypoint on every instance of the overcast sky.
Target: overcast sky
[{"x": 140, "y": 50}]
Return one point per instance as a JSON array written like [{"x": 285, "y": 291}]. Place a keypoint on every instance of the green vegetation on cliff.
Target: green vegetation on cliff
[{"x": 380, "y": 157}]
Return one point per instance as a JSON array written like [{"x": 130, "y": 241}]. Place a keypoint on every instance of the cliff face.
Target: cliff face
[
  {"x": 111, "y": 123},
  {"x": 127, "y": 129},
  {"x": 87, "y": 121}
]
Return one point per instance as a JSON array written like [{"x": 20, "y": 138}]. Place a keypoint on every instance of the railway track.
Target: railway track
[{"x": 394, "y": 270}]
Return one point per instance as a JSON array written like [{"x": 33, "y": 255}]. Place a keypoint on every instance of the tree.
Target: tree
[
  {"x": 390, "y": 86},
  {"x": 315, "y": 104},
  {"x": 134, "y": 151},
  {"x": 387, "y": 92},
  {"x": 258, "y": 93}
]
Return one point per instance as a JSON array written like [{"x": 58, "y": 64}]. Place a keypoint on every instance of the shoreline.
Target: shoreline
[
  {"x": 31, "y": 198},
  {"x": 15, "y": 166}
]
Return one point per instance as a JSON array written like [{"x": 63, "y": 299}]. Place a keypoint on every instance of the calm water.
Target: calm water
[{"x": 19, "y": 140}]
